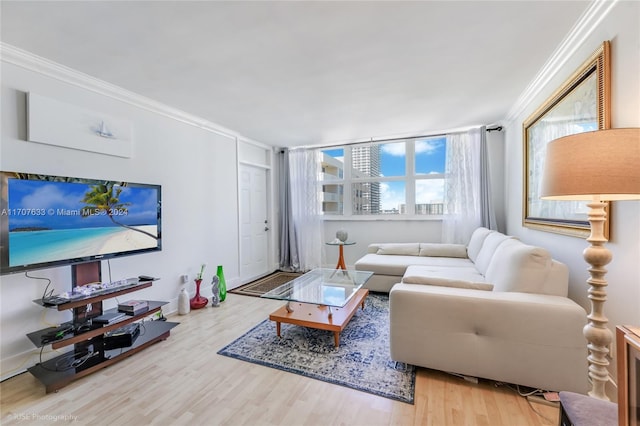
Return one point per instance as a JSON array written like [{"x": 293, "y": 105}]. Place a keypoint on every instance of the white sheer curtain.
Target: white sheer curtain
[
  {"x": 462, "y": 213},
  {"x": 306, "y": 207}
]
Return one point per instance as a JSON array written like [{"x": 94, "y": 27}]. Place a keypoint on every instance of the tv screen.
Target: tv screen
[{"x": 48, "y": 221}]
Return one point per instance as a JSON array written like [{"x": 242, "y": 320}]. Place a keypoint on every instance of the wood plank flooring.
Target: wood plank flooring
[{"x": 182, "y": 381}]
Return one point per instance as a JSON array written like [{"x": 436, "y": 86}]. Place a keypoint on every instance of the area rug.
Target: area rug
[
  {"x": 265, "y": 284},
  {"x": 360, "y": 362}
]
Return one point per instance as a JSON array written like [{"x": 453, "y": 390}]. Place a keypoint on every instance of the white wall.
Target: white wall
[
  {"x": 197, "y": 171},
  {"x": 623, "y": 305}
]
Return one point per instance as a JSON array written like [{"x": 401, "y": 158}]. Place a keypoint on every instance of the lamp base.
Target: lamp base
[{"x": 596, "y": 331}]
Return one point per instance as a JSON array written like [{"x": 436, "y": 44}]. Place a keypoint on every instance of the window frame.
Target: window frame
[{"x": 410, "y": 179}]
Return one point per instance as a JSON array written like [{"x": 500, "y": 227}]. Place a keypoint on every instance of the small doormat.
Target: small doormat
[{"x": 261, "y": 286}]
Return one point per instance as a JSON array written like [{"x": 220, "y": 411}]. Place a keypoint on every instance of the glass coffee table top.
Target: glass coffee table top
[{"x": 329, "y": 287}]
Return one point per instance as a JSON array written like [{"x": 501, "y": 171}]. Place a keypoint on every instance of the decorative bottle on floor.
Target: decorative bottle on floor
[
  {"x": 198, "y": 301},
  {"x": 183, "y": 302},
  {"x": 222, "y": 284},
  {"x": 215, "y": 291}
]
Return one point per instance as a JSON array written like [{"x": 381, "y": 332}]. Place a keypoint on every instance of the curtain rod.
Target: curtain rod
[
  {"x": 367, "y": 141},
  {"x": 432, "y": 135}
]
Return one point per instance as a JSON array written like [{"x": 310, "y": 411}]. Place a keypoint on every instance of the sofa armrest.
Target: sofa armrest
[
  {"x": 529, "y": 339},
  {"x": 373, "y": 248}
]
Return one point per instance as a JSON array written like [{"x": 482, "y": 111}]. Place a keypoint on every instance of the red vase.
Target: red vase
[{"x": 197, "y": 301}]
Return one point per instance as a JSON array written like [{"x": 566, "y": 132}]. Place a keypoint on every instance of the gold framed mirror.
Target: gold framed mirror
[{"x": 581, "y": 104}]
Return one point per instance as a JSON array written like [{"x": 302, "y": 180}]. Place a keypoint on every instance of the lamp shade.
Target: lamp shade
[{"x": 603, "y": 164}]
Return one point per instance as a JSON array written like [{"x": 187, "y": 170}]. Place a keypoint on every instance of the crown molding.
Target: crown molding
[
  {"x": 586, "y": 24},
  {"x": 40, "y": 65}
]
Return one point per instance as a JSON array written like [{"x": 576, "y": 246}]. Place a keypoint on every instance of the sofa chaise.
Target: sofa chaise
[{"x": 495, "y": 308}]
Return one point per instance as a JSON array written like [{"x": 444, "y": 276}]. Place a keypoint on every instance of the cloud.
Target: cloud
[
  {"x": 428, "y": 145},
  {"x": 422, "y": 146},
  {"x": 391, "y": 195},
  {"x": 394, "y": 149},
  {"x": 50, "y": 195},
  {"x": 429, "y": 191}
]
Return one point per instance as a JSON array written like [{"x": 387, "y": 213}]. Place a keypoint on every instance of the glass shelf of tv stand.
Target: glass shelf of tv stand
[
  {"x": 53, "y": 377},
  {"x": 90, "y": 330},
  {"x": 96, "y": 297}
]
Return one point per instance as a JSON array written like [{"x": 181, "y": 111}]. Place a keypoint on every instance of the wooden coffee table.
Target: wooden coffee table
[
  {"x": 318, "y": 316},
  {"x": 321, "y": 299}
]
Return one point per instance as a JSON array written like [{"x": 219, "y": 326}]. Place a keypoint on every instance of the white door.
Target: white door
[{"x": 254, "y": 225}]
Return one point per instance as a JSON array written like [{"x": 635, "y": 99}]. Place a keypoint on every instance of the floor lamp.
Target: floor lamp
[{"x": 598, "y": 166}]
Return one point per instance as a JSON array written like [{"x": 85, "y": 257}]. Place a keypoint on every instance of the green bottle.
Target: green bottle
[{"x": 222, "y": 284}]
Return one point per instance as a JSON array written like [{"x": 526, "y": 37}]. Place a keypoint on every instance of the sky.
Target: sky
[
  {"x": 54, "y": 205},
  {"x": 430, "y": 158}
]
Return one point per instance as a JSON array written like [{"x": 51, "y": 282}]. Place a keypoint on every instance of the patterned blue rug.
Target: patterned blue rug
[{"x": 361, "y": 362}]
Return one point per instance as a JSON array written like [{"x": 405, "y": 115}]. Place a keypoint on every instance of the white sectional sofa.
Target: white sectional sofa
[{"x": 495, "y": 308}]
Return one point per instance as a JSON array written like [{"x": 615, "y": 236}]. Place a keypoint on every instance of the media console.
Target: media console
[{"x": 89, "y": 352}]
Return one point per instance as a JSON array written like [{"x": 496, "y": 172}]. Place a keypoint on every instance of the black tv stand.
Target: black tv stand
[{"x": 89, "y": 352}]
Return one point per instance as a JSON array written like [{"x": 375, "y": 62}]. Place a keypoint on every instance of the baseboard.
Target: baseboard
[{"x": 18, "y": 364}]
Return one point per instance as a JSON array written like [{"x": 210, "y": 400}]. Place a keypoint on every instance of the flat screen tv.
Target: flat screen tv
[{"x": 48, "y": 221}]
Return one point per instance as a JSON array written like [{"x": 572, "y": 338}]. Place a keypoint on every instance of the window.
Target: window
[
  {"x": 331, "y": 178},
  {"x": 429, "y": 168},
  {"x": 404, "y": 177}
]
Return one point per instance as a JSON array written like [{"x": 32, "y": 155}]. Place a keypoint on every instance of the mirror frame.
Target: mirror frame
[{"x": 598, "y": 65}]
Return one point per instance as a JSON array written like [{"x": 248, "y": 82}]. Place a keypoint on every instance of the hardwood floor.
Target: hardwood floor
[{"x": 183, "y": 381}]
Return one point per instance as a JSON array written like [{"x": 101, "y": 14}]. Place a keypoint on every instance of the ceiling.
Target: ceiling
[{"x": 306, "y": 73}]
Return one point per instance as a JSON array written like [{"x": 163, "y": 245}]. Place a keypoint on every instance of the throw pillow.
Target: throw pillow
[
  {"x": 519, "y": 267},
  {"x": 475, "y": 243},
  {"x": 402, "y": 249},
  {"x": 487, "y": 252},
  {"x": 443, "y": 250}
]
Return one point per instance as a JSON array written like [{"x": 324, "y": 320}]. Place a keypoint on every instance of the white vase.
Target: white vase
[{"x": 183, "y": 302}]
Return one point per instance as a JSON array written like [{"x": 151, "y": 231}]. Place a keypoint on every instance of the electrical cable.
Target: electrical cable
[
  {"x": 526, "y": 395},
  {"x": 43, "y": 319},
  {"x": 109, "y": 268},
  {"x": 144, "y": 329},
  {"x": 537, "y": 392},
  {"x": 537, "y": 412},
  {"x": 63, "y": 364},
  {"x": 73, "y": 360},
  {"x": 45, "y": 293}
]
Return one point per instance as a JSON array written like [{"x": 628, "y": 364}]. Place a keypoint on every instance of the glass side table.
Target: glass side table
[{"x": 341, "y": 244}]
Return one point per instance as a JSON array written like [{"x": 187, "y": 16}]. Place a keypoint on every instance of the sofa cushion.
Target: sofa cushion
[
  {"x": 519, "y": 267},
  {"x": 443, "y": 250},
  {"x": 444, "y": 276},
  {"x": 475, "y": 243},
  {"x": 400, "y": 249},
  {"x": 491, "y": 243},
  {"x": 397, "y": 265}
]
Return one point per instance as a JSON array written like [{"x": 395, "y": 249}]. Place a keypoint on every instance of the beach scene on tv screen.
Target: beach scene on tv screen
[{"x": 52, "y": 221}]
